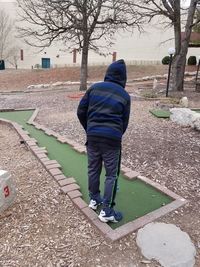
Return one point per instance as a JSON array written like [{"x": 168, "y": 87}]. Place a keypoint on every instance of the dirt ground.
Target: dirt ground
[
  {"x": 43, "y": 228},
  {"x": 20, "y": 79},
  {"x": 17, "y": 80}
]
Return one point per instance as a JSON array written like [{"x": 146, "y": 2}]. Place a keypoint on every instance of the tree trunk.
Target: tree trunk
[
  {"x": 84, "y": 68},
  {"x": 179, "y": 61},
  {"x": 178, "y": 70}
]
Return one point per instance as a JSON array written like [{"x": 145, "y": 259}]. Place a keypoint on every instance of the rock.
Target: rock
[
  {"x": 39, "y": 86},
  {"x": 57, "y": 84},
  {"x": 184, "y": 102},
  {"x": 30, "y": 87},
  {"x": 145, "y": 262},
  {"x": 167, "y": 244},
  {"x": 185, "y": 117},
  {"x": 155, "y": 84},
  {"x": 196, "y": 122}
]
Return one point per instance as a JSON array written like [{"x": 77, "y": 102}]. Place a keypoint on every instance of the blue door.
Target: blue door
[{"x": 46, "y": 63}]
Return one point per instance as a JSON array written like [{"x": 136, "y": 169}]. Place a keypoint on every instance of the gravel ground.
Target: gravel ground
[
  {"x": 43, "y": 228},
  {"x": 157, "y": 148}
]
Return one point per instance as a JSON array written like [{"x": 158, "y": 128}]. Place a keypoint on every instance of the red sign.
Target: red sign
[
  {"x": 6, "y": 191},
  {"x": 22, "y": 54}
]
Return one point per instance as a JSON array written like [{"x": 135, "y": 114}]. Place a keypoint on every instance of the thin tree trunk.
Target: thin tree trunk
[
  {"x": 177, "y": 26},
  {"x": 84, "y": 68},
  {"x": 84, "y": 58},
  {"x": 179, "y": 61},
  {"x": 178, "y": 70}
]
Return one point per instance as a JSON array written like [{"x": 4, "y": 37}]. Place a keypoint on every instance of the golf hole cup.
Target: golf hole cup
[{"x": 7, "y": 190}]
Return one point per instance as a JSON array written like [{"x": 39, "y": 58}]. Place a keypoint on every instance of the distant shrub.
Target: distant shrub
[
  {"x": 165, "y": 60},
  {"x": 37, "y": 66},
  {"x": 149, "y": 94},
  {"x": 192, "y": 60}
]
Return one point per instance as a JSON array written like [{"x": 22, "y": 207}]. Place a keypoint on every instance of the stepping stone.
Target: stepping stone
[{"x": 167, "y": 244}]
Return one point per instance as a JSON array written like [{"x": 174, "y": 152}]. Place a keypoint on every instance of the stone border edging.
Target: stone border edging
[
  {"x": 159, "y": 77},
  {"x": 69, "y": 186},
  {"x": 68, "y": 83},
  {"x": 31, "y": 88}
]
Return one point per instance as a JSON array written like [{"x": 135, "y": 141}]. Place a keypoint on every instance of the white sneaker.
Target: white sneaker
[
  {"x": 93, "y": 204},
  {"x": 109, "y": 215}
]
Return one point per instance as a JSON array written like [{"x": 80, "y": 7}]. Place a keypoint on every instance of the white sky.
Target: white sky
[{"x": 186, "y": 1}]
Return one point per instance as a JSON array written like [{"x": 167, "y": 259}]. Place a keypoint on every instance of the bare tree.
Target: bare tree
[
  {"x": 171, "y": 14},
  {"x": 8, "y": 51},
  {"x": 14, "y": 56},
  {"x": 6, "y": 27},
  {"x": 181, "y": 45},
  {"x": 78, "y": 24}
]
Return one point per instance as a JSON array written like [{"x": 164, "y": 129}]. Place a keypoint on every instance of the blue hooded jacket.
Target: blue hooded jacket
[{"x": 104, "y": 109}]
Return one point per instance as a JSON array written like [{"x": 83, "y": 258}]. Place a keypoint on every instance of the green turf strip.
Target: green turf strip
[
  {"x": 160, "y": 113},
  {"x": 196, "y": 110},
  {"x": 165, "y": 114},
  {"x": 134, "y": 198}
]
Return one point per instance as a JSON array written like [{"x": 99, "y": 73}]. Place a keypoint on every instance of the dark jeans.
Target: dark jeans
[{"x": 110, "y": 156}]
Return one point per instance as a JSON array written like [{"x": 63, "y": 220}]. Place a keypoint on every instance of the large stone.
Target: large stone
[
  {"x": 167, "y": 244},
  {"x": 196, "y": 122},
  {"x": 184, "y": 116}
]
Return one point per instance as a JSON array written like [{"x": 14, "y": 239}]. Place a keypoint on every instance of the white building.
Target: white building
[{"x": 139, "y": 48}]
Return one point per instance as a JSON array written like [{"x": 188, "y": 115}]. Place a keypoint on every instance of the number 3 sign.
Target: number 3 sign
[{"x": 6, "y": 191}]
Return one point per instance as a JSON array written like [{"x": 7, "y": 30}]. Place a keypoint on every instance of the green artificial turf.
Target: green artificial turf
[
  {"x": 160, "y": 113},
  {"x": 196, "y": 110},
  {"x": 165, "y": 114},
  {"x": 134, "y": 198}
]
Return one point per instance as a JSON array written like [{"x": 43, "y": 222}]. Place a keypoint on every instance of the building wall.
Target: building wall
[{"x": 137, "y": 48}]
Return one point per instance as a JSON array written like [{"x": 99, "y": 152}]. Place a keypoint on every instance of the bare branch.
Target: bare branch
[{"x": 6, "y": 35}]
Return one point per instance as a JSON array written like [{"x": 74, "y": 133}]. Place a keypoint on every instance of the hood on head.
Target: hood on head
[{"x": 116, "y": 73}]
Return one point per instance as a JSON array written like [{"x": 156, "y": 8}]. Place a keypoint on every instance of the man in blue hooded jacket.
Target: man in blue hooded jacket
[{"x": 104, "y": 114}]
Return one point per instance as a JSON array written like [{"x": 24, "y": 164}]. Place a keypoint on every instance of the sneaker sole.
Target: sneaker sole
[
  {"x": 106, "y": 219},
  {"x": 92, "y": 207}
]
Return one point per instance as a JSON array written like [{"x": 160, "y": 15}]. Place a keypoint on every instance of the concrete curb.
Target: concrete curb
[{"x": 69, "y": 186}]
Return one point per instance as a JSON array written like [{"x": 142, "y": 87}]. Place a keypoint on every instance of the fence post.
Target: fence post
[
  {"x": 74, "y": 55},
  {"x": 114, "y": 56}
]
